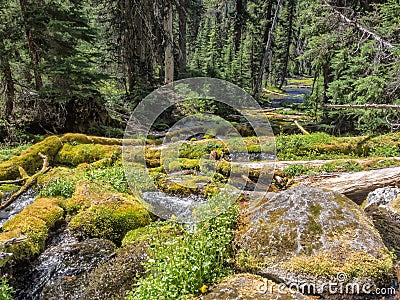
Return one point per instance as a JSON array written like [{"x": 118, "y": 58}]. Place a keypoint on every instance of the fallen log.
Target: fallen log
[
  {"x": 283, "y": 164},
  {"x": 355, "y": 185},
  {"x": 29, "y": 182}
]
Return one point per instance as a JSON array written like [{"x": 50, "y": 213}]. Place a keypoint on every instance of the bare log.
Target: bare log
[
  {"x": 364, "y": 106},
  {"x": 355, "y": 185},
  {"x": 29, "y": 182}
]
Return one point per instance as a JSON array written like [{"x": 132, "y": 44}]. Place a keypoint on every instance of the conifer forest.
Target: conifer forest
[{"x": 199, "y": 149}]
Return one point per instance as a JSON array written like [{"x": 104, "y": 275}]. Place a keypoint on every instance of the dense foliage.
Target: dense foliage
[{"x": 82, "y": 65}]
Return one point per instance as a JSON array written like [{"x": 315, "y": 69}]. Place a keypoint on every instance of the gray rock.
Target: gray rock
[
  {"x": 383, "y": 206},
  {"x": 311, "y": 235},
  {"x": 382, "y": 197}
]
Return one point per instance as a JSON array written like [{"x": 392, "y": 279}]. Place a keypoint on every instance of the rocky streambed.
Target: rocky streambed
[{"x": 89, "y": 237}]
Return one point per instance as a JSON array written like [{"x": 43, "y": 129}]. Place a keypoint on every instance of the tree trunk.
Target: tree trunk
[
  {"x": 239, "y": 22},
  {"x": 9, "y": 84},
  {"x": 169, "y": 54},
  {"x": 356, "y": 185},
  {"x": 182, "y": 37},
  {"x": 32, "y": 47},
  {"x": 292, "y": 7},
  {"x": 258, "y": 85}
]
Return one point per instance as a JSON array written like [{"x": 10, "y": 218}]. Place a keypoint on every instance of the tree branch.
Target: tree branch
[
  {"x": 29, "y": 182},
  {"x": 359, "y": 27}
]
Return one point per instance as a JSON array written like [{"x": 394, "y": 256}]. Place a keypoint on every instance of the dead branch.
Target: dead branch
[
  {"x": 301, "y": 128},
  {"x": 356, "y": 25},
  {"x": 17, "y": 181},
  {"x": 29, "y": 182},
  {"x": 15, "y": 240}
]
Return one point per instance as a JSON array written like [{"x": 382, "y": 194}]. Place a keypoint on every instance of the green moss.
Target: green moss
[
  {"x": 357, "y": 264},
  {"x": 30, "y": 160},
  {"x": 110, "y": 219},
  {"x": 74, "y": 155},
  {"x": 6, "y": 152},
  {"x": 183, "y": 187},
  {"x": 34, "y": 222},
  {"x": 315, "y": 210},
  {"x": 158, "y": 230},
  {"x": 77, "y": 138},
  {"x": 9, "y": 187},
  {"x": 85, "y": 193}
]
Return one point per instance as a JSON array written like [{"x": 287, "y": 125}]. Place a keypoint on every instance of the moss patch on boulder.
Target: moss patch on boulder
[
  {"x": 110, "y": 217},
  {"x": 307, "y": 233},
  {"x": 73, "y": 155}
]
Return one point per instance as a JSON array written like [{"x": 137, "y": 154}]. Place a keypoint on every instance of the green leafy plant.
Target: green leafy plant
[
  {"x": 6, "y": 291},
  {"x": 58, "y": 187},
  {"x": 115, "y": 176},
  {"x": 185, "y": 264},
  {"x": 296, "y": 170}
]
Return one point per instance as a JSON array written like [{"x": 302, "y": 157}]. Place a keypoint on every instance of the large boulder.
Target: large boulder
[
  {"x": 312, "y": 235},
  {"x": 383, "y": 206}
]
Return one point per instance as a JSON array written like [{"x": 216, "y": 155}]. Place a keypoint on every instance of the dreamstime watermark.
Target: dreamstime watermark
[
  {"x": 340, "y": 286},
  {"x": 229, "y": 155}
]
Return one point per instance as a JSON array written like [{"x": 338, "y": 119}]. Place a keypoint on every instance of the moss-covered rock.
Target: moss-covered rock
[
  {"x": 250, "y": 287},
  {"x": 75, "y": 154},
  {"x": 155, "y": 230},
  {"x": 34, "y": 222},
  {"x": 30, "y": 160},
  {"x": 311, "y": 234},
  {"x": 110, "y": 217}
]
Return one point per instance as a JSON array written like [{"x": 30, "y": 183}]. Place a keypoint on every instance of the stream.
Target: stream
[{"x": 16, "y": 207}]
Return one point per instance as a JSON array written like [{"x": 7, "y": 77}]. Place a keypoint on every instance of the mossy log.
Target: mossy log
[
  {"x": 29, "y": 182},
  {"x": 355, "y": 185}
]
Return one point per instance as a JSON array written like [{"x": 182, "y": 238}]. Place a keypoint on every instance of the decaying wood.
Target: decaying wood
[
  {"x": 15, "y": 240},
  {"x": 283, "y": 164},
  {"x": 364, "y": 106},
  {"x": 29, "y": 182},
  {"x": 355, "y": 185},
  {"x": 301, "y": 128},
  {"x": 17, "y": 181},
  {"x": 359, "y": 27}
]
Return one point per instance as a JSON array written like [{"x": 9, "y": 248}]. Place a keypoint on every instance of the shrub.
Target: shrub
[
  {"x": 6, "y": 291},
  {"x": 58, "y": 187},
  {"x": 186, "y": 263}
]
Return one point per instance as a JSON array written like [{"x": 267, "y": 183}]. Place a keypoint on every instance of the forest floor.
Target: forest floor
[{"x": 85, "y": 202}]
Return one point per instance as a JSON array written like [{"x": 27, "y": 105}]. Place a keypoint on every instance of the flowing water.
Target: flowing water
[{"x": 11, "y": 211}]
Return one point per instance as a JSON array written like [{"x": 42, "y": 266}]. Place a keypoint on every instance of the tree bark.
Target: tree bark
[
  {"x": 169, "y": 54},
  {"x": 258, "y": 85},
  {"x": 356, "y": 185},
  {"x": 292, "y": 10},
  {"x": 239, "y": 22},
  {"x": 9, "y": 84},
  {"x": 32, "y": 47},
  {"x": 182, "y": 37}
]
